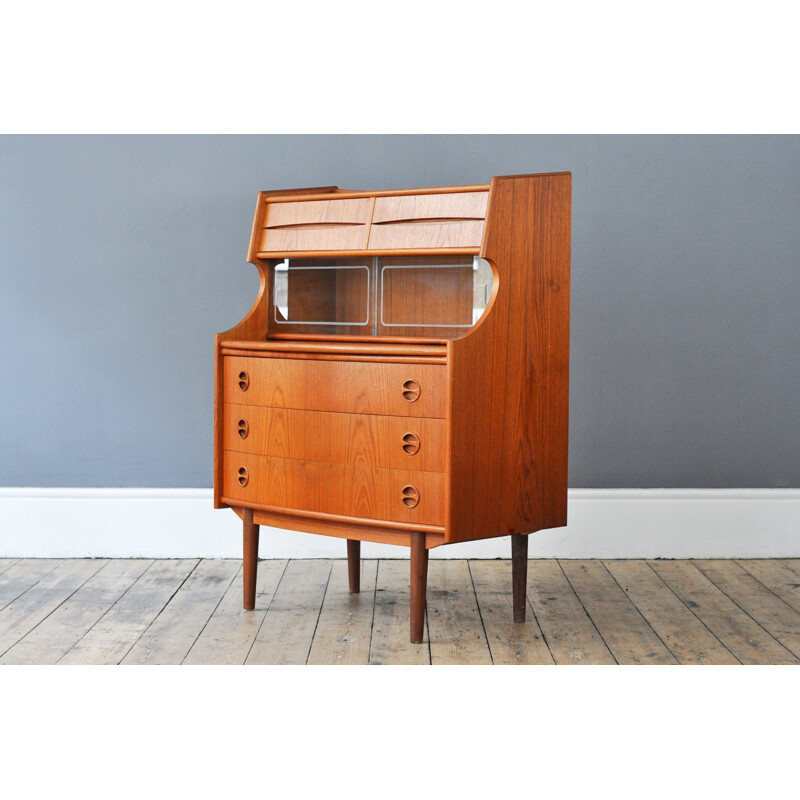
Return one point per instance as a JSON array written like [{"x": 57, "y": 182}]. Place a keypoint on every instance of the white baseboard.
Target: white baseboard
[{"x": 603, "y": 523}]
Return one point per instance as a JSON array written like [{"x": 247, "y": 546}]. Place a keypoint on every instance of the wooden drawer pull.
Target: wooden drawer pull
[
  {"x": 410, "y": 496},
  {"x": 244, "y": 476},
  {"x": 244, "y": 381},
  {"x": 242, "y": 428},
  {"x": 411, "y": 444},
  {"x": 411, "y": 391}
]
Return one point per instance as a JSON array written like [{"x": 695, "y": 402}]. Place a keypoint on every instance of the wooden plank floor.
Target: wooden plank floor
[{"x": 188, "y": 611}]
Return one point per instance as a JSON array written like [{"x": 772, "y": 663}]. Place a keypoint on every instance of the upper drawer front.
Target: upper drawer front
[
  {"x": 428, "y": 221},
  {"x": 316, "y": 225},
  {"x": 405, "y": 390},
  {"x": 361, "y": 439},
  {"x": 449, "y": 206},
  {"x": 340, "y": 489}
]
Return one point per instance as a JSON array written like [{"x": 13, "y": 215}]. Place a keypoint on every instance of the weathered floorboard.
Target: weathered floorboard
[
  {"x": 22, "y": 615},
  {"x": 776, "y": 617},
  {"x": 345, "y": 621},
  {"x": 19, "y": 577},
  {"x": 117, "y": 631},
  {"x": 172, "y": 634},
  {"x": 744, "y": 637},
  {"x": 454, "y": 621},
  {"x": 92, "y": 611},
  {"x": 510, "y": 642},
  {"x": 680, "y": 630},
  {"x": 229, "y": 634},
  {"x": 56, "y": 634},
  {"x": 390, "y": 623},
  {"x": 569, "y": 632},
  {"x": 287, "y": 632},
  {"x": 777, "y": 577},
  {"x": 624, "y": 630}
]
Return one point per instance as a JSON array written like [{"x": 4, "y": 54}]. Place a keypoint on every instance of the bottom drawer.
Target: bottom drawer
[{"x": 342, "y": 489}]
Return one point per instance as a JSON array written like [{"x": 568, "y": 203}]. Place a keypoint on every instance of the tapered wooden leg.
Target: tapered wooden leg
[
  {"x": 250, "y": 559},
  {"x": 354, "y": 564},
  {"x": 519, "y": 573},
  {"x": 419, "y": 585}
]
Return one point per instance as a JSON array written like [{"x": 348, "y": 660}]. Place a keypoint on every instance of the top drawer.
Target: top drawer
[
  {"x": 363, "y": 387},
  {"x": 316, "y": 225},
  {"x": 428, "y": 221}
]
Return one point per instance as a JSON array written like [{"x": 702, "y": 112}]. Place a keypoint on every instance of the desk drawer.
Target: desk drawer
[
  {"x": 428, "y": 221},
  {"x": 316, "y": 225},
  {"x": 340, "y": 489},
  {"x": 363, "y": 440},
  {"x": 363, "y": 387}
]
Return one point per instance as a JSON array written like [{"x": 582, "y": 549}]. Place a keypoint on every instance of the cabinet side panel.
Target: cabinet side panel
[{"x": 510, "y": 377}]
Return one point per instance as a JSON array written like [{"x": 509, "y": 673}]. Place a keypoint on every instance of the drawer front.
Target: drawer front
[
  {"x": 405, "y": 390},
  {"x": 429, "y": 235},
  {"x": 428, "y": 221},
  {"x": 360, "y": 439},
  {"x": 316, "y": 225},
  {"x": 450, "y": 205},
  {"x": 340, "y": 489}
]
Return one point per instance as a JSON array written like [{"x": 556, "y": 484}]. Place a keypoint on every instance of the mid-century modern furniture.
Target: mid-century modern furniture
[{"x": 403, "y": 374}]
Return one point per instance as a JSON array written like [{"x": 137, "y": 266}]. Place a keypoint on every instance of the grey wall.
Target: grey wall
[{"x": 120, "y": 257}]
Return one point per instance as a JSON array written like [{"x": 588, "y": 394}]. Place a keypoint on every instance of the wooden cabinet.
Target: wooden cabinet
[{"x": 402, "y": 376}]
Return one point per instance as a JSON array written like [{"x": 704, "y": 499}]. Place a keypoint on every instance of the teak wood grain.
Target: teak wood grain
[
  {"x": 341, "y": 489},
  {"x": 366, "y": 404},
  {"x": 431, "y": 206},
  {"x": 509, "y": 377},
  {"x": 354, "y": 388},
  {"x": 360, "y": 439}
]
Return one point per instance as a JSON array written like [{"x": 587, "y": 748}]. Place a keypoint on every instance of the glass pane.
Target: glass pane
[
  {"x": 452, "y": 295},
  {"x": 321, "y": 295}
]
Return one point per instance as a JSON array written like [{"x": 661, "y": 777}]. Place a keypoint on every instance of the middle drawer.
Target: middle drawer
[{"x": 360, "y": 439}]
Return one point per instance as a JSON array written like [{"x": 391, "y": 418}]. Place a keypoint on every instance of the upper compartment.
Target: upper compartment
[{"x": 433, "y": 220}]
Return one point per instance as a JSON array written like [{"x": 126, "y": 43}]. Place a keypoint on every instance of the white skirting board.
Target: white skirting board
[{"x": 603, "y": 523}]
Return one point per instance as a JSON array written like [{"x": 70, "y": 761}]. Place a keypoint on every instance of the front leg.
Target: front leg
[{"x": 250, "y": 558}]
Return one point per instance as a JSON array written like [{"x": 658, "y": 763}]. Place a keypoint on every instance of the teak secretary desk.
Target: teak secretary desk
[{"x": 403, "y": 374}]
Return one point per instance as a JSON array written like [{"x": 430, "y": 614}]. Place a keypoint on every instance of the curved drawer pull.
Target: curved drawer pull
[
  {"x": 244, "y": 381},
  {"x": 242, "y": 428},
  {"x": 411, "y": 391},
  {"x": 244, "y": 476},
  {"x": 410, "y": 496},
  {"x": 411, "y": 444}
]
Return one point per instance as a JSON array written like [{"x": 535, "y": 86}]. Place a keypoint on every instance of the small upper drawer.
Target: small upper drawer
[
  {"x": 316, "y": 225},
  {"x": 354, "y": 387},
  {"x": 451, "y": 206},
  {"x": 428, "y": 221}
]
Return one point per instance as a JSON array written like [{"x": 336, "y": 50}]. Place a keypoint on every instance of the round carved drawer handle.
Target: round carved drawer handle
[
  {"x": 244, "y": 476},
  {"x": 411, "y": 391},
  {"x": 411, "y": 444},
  {"x": 243, "y": 428},
  {"x": 410, "y": 496},
  {"x": 244, "y": 381}
]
